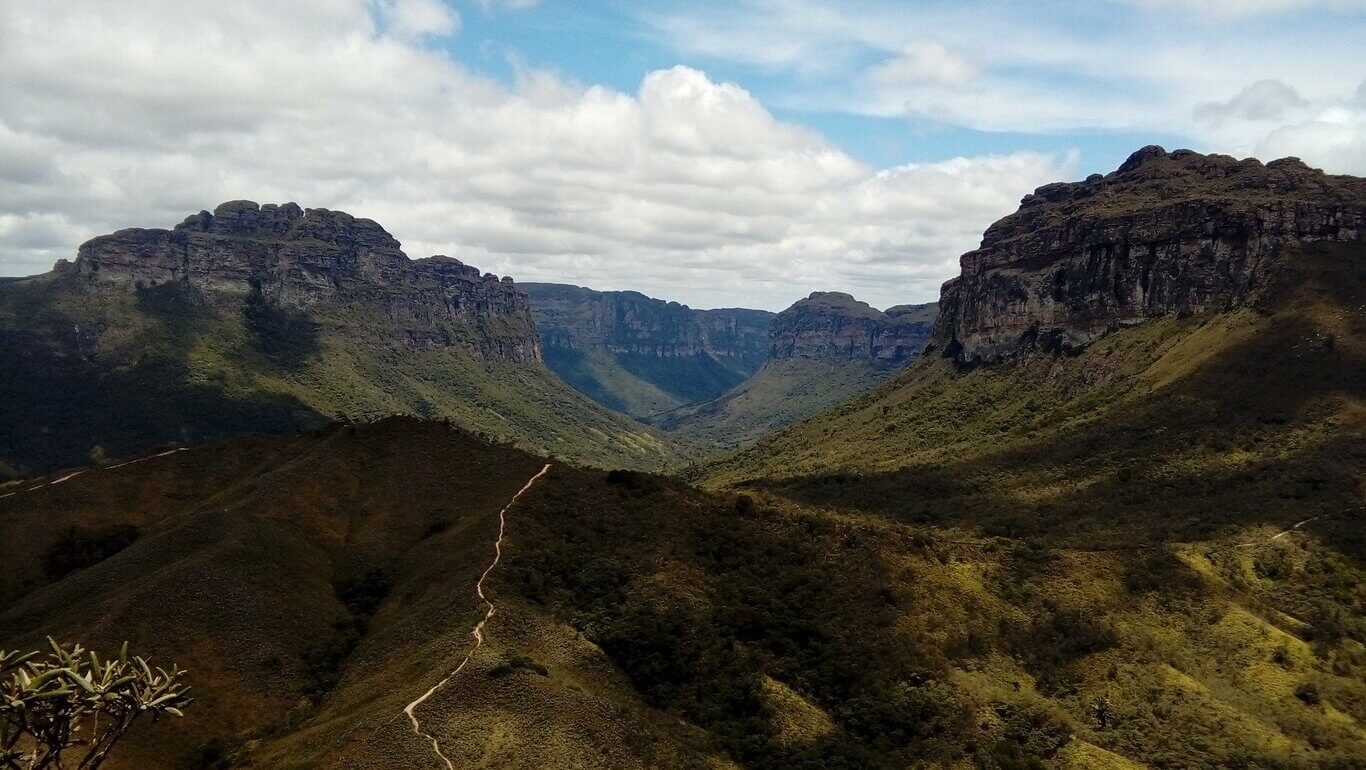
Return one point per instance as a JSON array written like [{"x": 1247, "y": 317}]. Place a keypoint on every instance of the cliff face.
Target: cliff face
[
  {"x": 835, "y": 326},
  {"x": 645, "y": 356},
  {"x": 1166, "y": 233},
  {"x": 627, "y": 322},
  {"x": 314, "y": 262}
]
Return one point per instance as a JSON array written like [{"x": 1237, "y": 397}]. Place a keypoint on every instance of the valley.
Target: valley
[{"x": 1101, "y": 506}]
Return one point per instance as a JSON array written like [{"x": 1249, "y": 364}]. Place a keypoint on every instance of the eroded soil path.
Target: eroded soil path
[
  {"x": 478, "y": 632},
  {"x": 74, "y": 474}
]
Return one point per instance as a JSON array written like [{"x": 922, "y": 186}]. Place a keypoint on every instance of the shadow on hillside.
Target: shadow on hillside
[{"x": 65, "y": 393}]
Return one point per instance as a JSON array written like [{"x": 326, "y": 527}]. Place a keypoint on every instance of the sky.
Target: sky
[{"x": 735, "y": 153}]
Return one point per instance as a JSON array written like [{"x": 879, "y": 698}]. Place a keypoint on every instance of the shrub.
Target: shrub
[
  {"x": 515, "y": 661},
  {"x": 71, "y": 702},
  {"x": 80, "y": 549},
  {"x": 1309, "y": 693}
]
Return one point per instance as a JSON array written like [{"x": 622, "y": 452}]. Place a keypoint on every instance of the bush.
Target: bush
[
  {"x": 362, "y": 595},
  {"x": 515, "y": 661},
  {"x": 80, "y": 549},
  {"x": 1309, "y": 693}
]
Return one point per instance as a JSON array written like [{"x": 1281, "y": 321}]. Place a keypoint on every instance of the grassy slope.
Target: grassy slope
[
  {"x": 159, "y": 371},
  {"x": 782, "y": 392}
]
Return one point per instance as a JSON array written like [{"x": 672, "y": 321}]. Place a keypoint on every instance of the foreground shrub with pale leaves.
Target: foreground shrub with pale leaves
[{"x": 67, "y": 708}]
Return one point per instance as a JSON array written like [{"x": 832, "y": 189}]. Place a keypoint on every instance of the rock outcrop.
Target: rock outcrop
[
  {"x": 315, "y": 262},
  {"x": 833, "y": 325},
  {"x": 628, "y": 322},
  {"x": 1166, "y": 233}
]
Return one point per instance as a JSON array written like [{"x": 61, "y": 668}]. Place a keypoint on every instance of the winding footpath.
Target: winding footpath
[
  {"x": 74, "y": 474},
  {"x": 1297, "y": 527},
  {"x": 478, "y": 632}
]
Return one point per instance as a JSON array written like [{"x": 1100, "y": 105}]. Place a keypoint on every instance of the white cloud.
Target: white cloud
[
  {"x": 419, "y": 18},
  {"x": 1156, "y": 67},
  {"x": 688, "y": 189},
  {"x": 926, "y": 61},
  {"x": 1263, "y": 100}
]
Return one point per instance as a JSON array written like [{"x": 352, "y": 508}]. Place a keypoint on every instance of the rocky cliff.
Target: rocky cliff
[
  {"x": 316, "y": 261},
  {"x": 832, "y": 325},
  {"x": 1166, "y": 233},
  {"x": 628, "y": 322}
]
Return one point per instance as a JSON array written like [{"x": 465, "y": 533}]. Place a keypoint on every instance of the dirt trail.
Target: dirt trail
[
  {"x": 1297, "y": 527},
  {"x": 478, "y": 632},
  {"x": 74, "y": 474}
]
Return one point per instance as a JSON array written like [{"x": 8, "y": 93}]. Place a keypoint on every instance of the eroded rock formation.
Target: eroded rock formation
[
  {"x": 628, "y": 322},
  {"x": 833, "y": 325},
  {"x": 1166, "y": 233},
  {"x": 316, "y": 261}
]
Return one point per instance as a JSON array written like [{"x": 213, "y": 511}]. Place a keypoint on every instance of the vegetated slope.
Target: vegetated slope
[
  {"x": 272, "y": 318},
  {"x": 823, "y": 351},
  {"x": 1177, "y": 429},
  {"x": 642, "y": 356},
  {"x": 316, "y": 584}
]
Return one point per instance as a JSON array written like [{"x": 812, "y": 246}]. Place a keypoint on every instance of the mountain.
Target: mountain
[
  {"x": 268, "y": 318},
  {"x": 1141, "y": 548},
  {"x": 823, "y": 350},
  {"x": 642, "y": 356}
]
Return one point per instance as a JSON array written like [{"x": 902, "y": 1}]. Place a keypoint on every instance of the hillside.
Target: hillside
[
  {"x": 315, "y": 584},
  {"x": 269, "y": 318},
  {"x": 823, "y": 351},
  {"x": 642, "y": 356}
]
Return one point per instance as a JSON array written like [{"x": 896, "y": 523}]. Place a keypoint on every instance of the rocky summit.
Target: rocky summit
[
  {"x": 1166, "y": 233},
  {"x": 291, "y": 258},
  {"x": 833, "y": 325}
]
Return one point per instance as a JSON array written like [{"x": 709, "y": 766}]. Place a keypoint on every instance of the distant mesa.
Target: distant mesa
[
  {"x": 823, "y": 350},
  {"x": 1167, "y": 233},
  {"x": 834, "y": 325}
]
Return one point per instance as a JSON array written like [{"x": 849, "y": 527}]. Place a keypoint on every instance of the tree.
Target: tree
[{"x": 68, "y": 708}]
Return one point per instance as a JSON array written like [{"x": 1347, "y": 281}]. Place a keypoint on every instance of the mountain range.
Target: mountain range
[{"x": 1101, "y": 507}]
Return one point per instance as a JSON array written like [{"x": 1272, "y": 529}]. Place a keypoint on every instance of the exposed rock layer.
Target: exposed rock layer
[
  {"x": 627, "y": 322},
  {"x": 1166, "y": 233},
  {"x": 315, "y": 260},
  {"x": 832, "y": 325}
]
